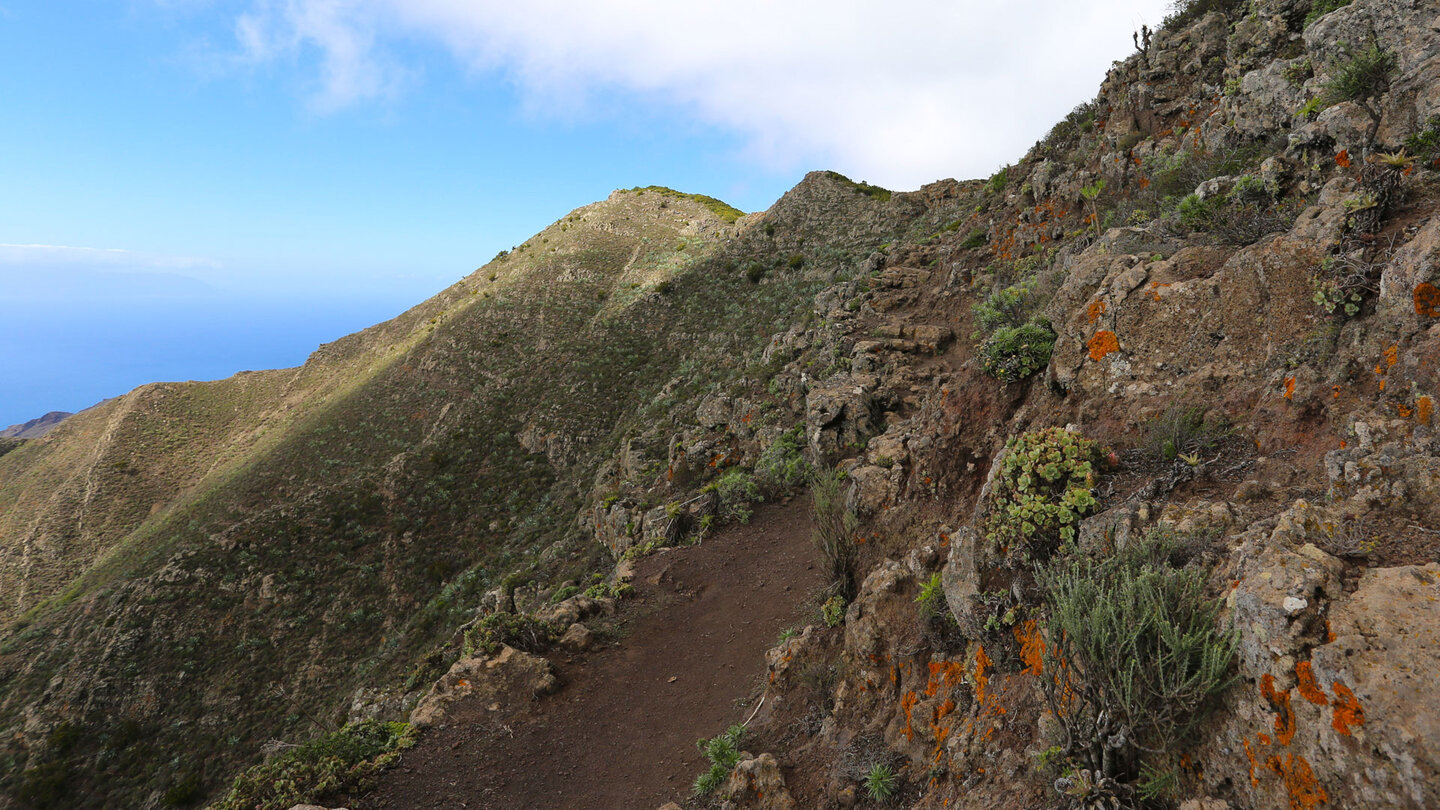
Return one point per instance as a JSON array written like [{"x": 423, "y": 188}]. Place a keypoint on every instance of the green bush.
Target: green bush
[
  {"x": 833, "y": 531},
  {"x": 782, "y": 466},
  {"x": 998, "y": 181},
  {"x": 1143, "y": 652},
  {"x": 1360, "y": 77},
  {"x": 723, "y": 752},
  {"x": 1043, "y": 489},
  {"x": 509, "y": 629},
  {"x": 321, "y": 769},
  {"x": 737, "y": 491},
  {"x": 1007, "y": 306},
  {"x": 833, "y": 611},
  {"x": 1014, "y": 353},
  {"x": 1424, "y": 145},
  {"x": 976, "y": 238}
]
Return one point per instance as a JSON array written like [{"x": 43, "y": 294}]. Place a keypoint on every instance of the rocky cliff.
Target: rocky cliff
[{"x": 1170, "y": 376}]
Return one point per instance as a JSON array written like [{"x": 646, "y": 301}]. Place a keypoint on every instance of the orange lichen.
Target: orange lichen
[
  {"x": 1392, "y": 355},
  {"x": 1103, "y": 343},
  {"x": 1301, "y": 786},
  {"x": 1309, "y": 689},
  {"x": 1427, "y": 300},
  {"x": 1032, "y": 647},
  {"x": 1424, "y": 408},
  {"x": 1347, "y": 709},
  {"x": 982, "y": 681},
  {"x": 1343, "y": 159},
  {"x": 907, "y": 703},
  {"x": 1335, "y": 392},
  {"x": 1144, "y": 182},
  {"x": 1284, "y": 715},
  {"x": 1250, "y": 755},
  {"x": 1403, "y": 411},
  {"x": 947, "y": 673},
  {"x": 1289, "y": 388},
  {"x": 1095, "y": 310}
]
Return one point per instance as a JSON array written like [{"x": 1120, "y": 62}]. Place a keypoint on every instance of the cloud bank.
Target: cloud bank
[{"x": 898, "y": 93}]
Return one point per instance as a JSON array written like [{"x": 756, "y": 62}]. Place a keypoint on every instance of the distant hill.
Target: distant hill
[{"x": 36, "y": 427}]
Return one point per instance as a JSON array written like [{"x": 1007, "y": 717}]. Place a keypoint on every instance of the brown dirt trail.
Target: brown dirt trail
[{"x": 621, "y": 732}]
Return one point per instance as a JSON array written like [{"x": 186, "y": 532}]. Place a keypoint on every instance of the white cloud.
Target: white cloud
[{"x": 898, "y": 93}]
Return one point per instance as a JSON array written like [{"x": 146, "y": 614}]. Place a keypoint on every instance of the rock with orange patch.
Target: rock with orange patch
[{"x": 1383, "y": 724}]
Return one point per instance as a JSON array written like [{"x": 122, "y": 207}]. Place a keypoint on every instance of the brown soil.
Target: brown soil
[{"x": 621, "y": 733}]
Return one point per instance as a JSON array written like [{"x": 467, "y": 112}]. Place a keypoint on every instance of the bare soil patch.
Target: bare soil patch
[{"x": 621, "y": 732}]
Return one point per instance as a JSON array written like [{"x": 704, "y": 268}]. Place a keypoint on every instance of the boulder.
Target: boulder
[{"x": 492, "y": 683}]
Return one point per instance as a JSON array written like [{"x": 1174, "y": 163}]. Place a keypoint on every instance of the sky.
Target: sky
[{"x": 190, "y": 188}]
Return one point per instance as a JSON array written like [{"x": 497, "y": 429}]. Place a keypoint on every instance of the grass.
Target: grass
[{"x": 833, "y": 533}]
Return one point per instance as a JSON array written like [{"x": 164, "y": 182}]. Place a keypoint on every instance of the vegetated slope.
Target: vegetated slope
[{"x": 249, "y": 579}]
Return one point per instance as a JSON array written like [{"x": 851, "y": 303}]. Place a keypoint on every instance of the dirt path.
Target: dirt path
[{"x": 622, "y": 731}]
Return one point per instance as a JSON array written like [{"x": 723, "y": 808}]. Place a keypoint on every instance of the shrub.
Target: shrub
[
  {"x": 320, "y": 769},
  {"x": 499, "y": 629},
  {"x": 1242, "y": 217},
  {"x": 1014, "y": 353},
  {"x": 796, "y": 261},
  {"x": 1141, "y": 648},
  {"x": 1042, "y": 491},
  {"x": 998, "y": 181},
  {"x": 881, "y": 782},
  {"x": 1361, "y": 77},
  {"x": 976, "y": 238},
  {"x": 1424, "y": 145},
  {"x": 723, "y": 752},
  {"x": 737, "y": 490},
  {"x": 834, "y": 527},
  {"x": 1007, "y": 306},
  {"x": 783, "y": 466}
]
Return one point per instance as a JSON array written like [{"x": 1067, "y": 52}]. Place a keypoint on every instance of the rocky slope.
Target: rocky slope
[
  {"x": 35, "y": 428},
  {"x": 1222, "y": 271}
]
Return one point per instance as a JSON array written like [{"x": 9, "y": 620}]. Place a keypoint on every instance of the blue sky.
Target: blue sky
[{"x": 189, "y": 188}]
